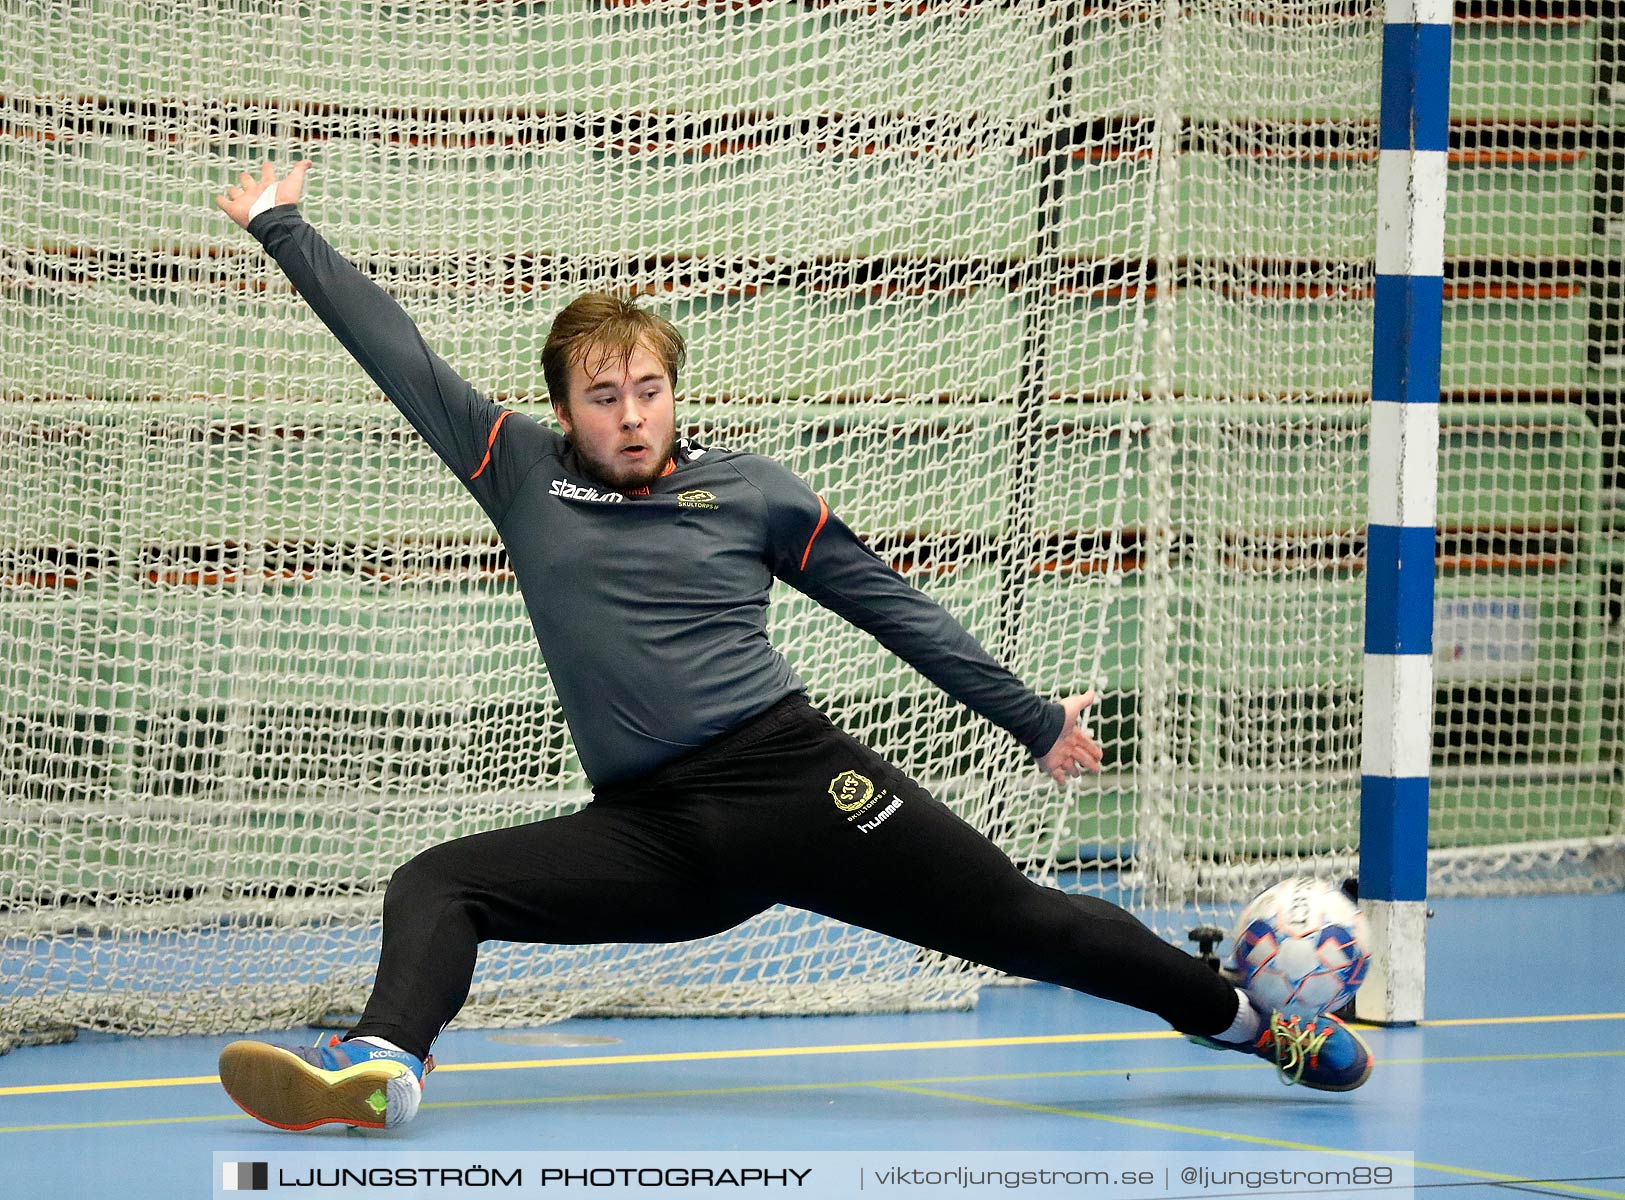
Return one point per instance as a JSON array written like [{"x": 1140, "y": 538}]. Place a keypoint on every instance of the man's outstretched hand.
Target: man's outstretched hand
[
  {"x": 1074, "y": 751},
  {"x": 236, "y": 202}
]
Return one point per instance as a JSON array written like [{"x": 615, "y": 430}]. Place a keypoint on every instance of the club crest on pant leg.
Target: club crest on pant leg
[
  {"x": 851, "y": 791},
  {"x": 855, "y": 795}
]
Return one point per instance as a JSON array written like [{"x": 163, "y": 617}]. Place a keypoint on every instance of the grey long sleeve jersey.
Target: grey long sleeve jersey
[{"x": 651, "y": 609}]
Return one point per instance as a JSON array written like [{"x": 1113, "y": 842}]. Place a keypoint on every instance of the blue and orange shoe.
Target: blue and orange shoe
[
  {"x": 300, "y": 1087},
  {"x": 1317, "y": 1052}
]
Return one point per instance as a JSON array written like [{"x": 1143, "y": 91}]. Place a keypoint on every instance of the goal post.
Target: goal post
[{"x": 1403, "y": 448}]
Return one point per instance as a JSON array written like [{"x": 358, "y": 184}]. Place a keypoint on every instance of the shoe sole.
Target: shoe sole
[{"x": 282, "y": 1089}]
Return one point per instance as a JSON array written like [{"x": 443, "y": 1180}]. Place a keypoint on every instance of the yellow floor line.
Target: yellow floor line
[
  {"x": 1250, "y": 1139},
  {"x": 833, "y": 1084},
  {"x": 607, "y": 1060},
  {"x": 106, "y": 1085},
  {"x": 667, "y": 1094},
  {"x": 1456, "y": 1022},
  {"x": 610, "y": 1060},
  {"x": 72, "y": 1125}
]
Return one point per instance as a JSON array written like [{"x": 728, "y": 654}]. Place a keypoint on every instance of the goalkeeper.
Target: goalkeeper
[{"x": 645, "y": 562}]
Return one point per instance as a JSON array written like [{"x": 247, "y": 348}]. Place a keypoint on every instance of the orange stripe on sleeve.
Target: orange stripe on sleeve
[
  {"x": 491, "y": 441},
  {"x": 823, "y": 515}
]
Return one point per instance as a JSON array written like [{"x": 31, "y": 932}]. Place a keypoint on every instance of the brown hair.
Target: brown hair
[{"x": 601, "y": 323}]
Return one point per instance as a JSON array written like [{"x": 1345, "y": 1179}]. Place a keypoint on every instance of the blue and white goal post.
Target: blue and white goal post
[{"x": 1404, "y": 448}]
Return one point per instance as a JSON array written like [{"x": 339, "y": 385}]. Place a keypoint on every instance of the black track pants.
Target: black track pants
[{"x": 786, "y": 808}]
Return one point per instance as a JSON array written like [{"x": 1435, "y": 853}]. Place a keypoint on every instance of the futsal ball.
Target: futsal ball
[{"x": 1300, "y": 948}]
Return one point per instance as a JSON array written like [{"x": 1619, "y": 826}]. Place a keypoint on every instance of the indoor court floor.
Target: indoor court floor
[{"x": 1510, "y": 1087}]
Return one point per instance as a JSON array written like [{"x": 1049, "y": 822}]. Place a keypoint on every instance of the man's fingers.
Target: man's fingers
[
  {"x": 1085, "y": 746},
  {"x": 246, "y": 180},
  {"x": 1075, "y": 751}
]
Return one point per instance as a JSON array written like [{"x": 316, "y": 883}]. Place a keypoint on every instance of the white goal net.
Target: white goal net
[{"x": 1064, "y": 307}]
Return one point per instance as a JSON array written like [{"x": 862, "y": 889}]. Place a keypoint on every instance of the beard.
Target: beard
[{"x": 625, "y": 475}]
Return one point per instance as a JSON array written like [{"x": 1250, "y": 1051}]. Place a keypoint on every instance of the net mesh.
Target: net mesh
[{"x": 1065, "y": 307}]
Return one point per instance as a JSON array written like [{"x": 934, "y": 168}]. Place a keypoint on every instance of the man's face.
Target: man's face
[{"x": 622, "y": 417}]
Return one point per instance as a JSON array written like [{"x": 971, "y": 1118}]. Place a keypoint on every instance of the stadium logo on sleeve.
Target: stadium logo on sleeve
[
  {"x": 566, "y": 490},
  {"x": 696, "y": 498},
  {"x": 851, "y": 791}
]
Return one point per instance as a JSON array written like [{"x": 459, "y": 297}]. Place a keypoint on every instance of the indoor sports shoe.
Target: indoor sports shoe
[
  {"x": 1321, "y": 1052},
  {"x": 299, "y": 1087}
]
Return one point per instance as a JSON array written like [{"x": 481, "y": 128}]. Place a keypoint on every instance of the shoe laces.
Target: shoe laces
[{"x": 1296, "y": 1045}]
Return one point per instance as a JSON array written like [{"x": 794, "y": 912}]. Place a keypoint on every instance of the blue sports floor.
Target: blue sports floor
[{"x": 1512, "y": 1086}]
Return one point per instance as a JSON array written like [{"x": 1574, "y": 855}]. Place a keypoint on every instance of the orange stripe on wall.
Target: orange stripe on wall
[
  {"x": 823, "y": 515},
  {"x": 489, "y": 442}
]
